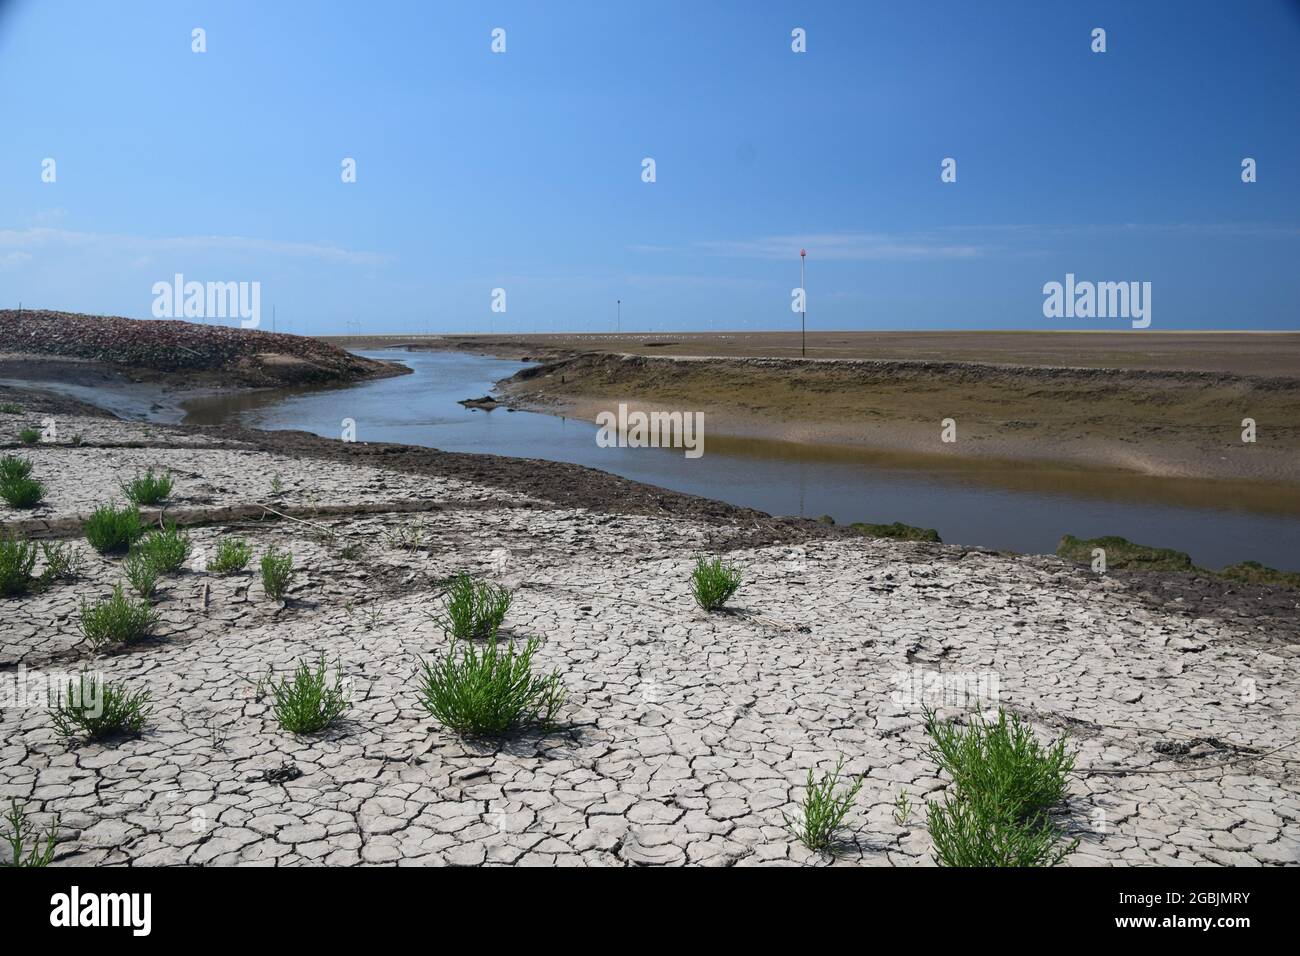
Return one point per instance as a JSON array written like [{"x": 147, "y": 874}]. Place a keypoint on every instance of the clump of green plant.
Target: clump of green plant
[
  {"x": 20, "y": 832},
  {"x": 823, "y": 808},
  {"x": 22, "y": 492},
  {"x": 17, "y": 558},
  {"x": 148, "y": 489},
  {"x": 17, "y": 487},
  {"x": 165, "y": 550},
  {"x": 16, "y": 480},
  {"x": 902, "y": 809},
  {"x": 489, "y": 690},
  {"x": 408, "y": 536},
  {"x": 110, "y": 530},
  {"x": 713, "y": 583},
  {"x": 11, "y": 408},
  {"x": 371, "y": 617},
  {"x": 62, "y": 562},
  {"x": 474, "y": 609},
  {"x": 970, "y": 831},
  {"x": 277, "y": 573},
  {"x": 309, "y": 702},
  {"x": 233, "y": 554},
  {"x": 277, "y": 486},
  {"x": 11, "y": 466},
  {"x": 141, "y": 574},
  {"x": 29, "y": 436},
  {"x": 95, "y": 709},
  {"x": 117, "y": 620},
  {"x": 1005, "y": 784}
]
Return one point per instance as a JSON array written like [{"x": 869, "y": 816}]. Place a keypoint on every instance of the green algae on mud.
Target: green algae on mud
[
  {"x": 1122, "y": 554},
  {"x": 1252, "y": 572},
  {"x": 897, "y": 531}
]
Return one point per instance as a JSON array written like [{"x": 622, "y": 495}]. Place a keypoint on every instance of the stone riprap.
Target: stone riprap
[
  {"x": 181, "y": 351},
  {"x": 686, "y": 736}
]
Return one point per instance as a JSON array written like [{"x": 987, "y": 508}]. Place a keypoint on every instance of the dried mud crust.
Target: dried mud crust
[
  {"x": 1270, "y": 615},
  {"x": 687, "y": 735}
]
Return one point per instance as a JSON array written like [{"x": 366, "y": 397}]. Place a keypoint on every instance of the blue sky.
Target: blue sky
[{"x": 522, "y": 170}]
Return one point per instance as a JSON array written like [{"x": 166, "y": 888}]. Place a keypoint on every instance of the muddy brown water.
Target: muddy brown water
[{"x": 1006, "y": 505}]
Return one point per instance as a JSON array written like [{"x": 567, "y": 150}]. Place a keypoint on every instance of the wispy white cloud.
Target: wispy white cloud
[
  {"x": 1209, "y": 230},
  {"x": 643, "y": 280},
  {"x": 45, "y": 217},
  {"x": 835, "y": 245},
  {"x": 39, "y": 238},
  {"x": 957, "y": 242},
  {"x": 850, "y": 246}
]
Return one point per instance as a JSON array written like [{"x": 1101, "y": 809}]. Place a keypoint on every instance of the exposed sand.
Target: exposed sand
[
  {"x": 1163, "y": 405},
  {"x": 1167, "y": 424},
  {"x": 1237, "y": 353}
]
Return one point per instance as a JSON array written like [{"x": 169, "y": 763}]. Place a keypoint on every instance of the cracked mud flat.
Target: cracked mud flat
[{"x": 686, "y": 735}]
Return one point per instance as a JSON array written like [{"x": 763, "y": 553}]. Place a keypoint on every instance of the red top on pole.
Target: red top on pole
[{"x": 802, "y": 253}]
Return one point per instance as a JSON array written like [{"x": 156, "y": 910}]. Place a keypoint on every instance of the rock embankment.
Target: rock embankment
[{"x": 166, "y": 349}]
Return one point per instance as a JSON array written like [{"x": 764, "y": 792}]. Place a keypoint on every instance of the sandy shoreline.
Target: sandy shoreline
[
  {"x": 1158, "y": 414},
  {"x": 1116, "y": 429},
  {"x": 686, "y": 735}
]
